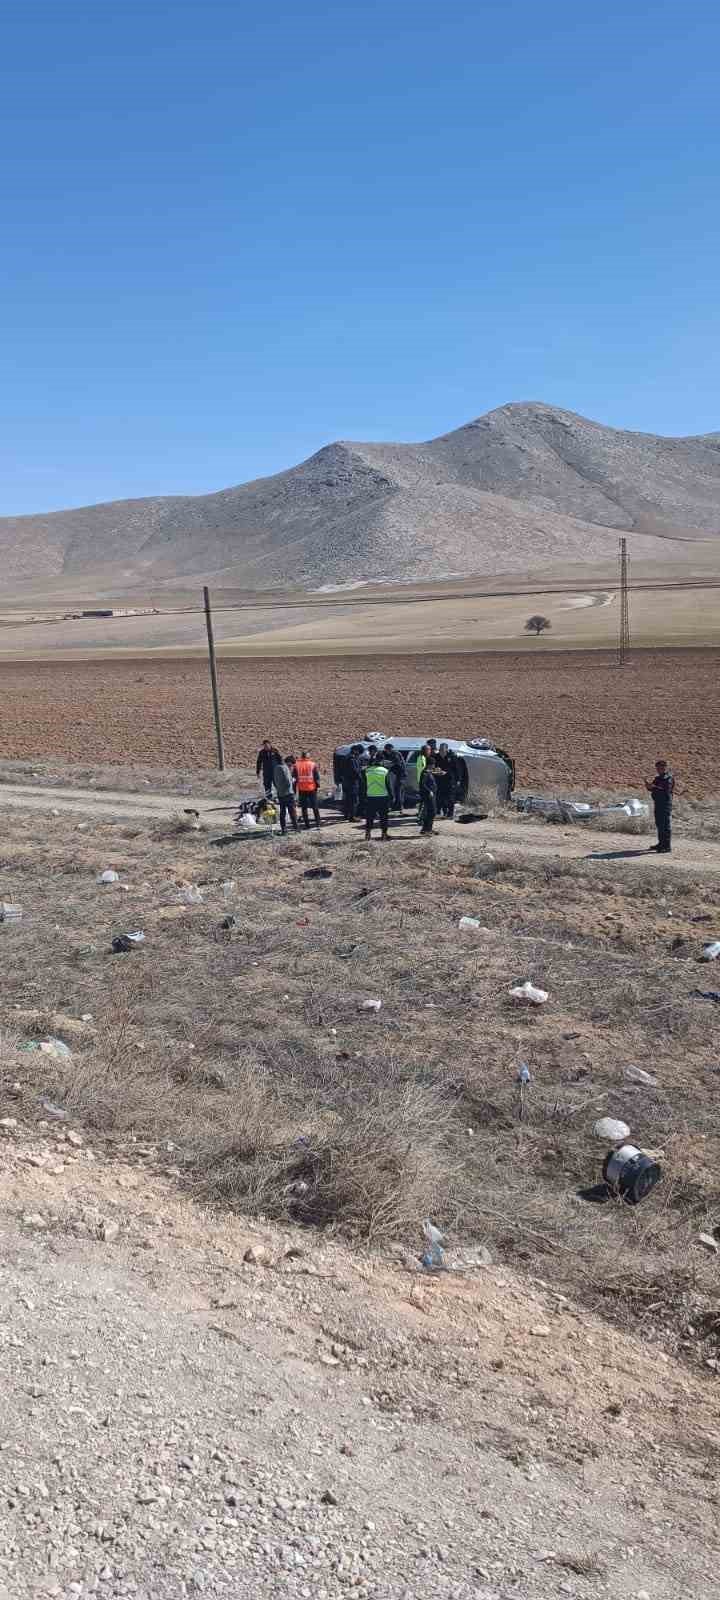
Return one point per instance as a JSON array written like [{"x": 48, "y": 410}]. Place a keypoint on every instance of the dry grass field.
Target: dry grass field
[
  {"x": 570, "y": 719},
  {"x": 245, "y": 1048}
]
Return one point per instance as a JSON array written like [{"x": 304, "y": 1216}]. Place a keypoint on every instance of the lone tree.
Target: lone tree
[{"x": 537, "y": 625}]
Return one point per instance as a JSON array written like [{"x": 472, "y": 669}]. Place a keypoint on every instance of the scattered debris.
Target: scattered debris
[
  {"x": 127, "y": 941},
  {"x": 190, "y": 895},
  {"x": 433, "y": 1257},
  {"x": 370, "y": 1005},
  {"x": 710, "y": 952},
  {"x": 528, "y": 994},
  {"x": 9, "y": 912},
  {"x": 51, "y": 1110},
  {"x": 611, "y": 1130},
  {"x": 709, "y": 1243},
  {"x": 706, "y": 994},
  {"x": 637, "y": 1075},
  {"x": 318, "y": 872},
  {"x": 556, "y": 810},
  {"x": 469, "y": 924},
  {"x": 56, "y": 1048},
  {"x": 631, "y": 1173},
  {"x": 109, "y": 876}
]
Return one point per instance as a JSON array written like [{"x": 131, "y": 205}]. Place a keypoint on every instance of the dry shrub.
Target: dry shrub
[{"x": 364, "y": 1156}]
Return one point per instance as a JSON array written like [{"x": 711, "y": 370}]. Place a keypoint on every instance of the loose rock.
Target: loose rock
[{"x": 611, "y": 1130}]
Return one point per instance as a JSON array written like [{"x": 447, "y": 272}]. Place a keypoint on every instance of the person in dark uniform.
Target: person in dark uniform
[
  {"x": 396, "y": 767},
  {"x": 662, "y": 789},
  {"x": 267, "y": 759},
  {"x": 446, "y": 778},
  {"x": 428, "y": 797},
  {"x": 350, "y": 775}
]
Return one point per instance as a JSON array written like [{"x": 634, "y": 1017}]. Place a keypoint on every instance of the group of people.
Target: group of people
[
  {"x": 373, "y": 781},
  {"x": 296, "y": 781},
  {"x": 374, "y": 784}
]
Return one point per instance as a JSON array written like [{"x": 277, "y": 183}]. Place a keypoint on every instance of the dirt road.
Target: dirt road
[
  {"x": 510, "y": 838},
  {"x": 182, "y": 1422}
]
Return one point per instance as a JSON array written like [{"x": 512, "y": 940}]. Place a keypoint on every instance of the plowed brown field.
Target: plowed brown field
[{"x": 569, "y": 719}]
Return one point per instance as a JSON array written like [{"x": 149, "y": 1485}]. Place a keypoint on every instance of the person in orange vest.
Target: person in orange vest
[{"x": 306, "y": 778}]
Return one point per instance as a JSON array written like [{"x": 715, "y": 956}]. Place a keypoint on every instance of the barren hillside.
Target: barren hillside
[{"x": 523, "y": 486}]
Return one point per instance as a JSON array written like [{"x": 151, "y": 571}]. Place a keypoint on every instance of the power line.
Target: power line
[{"x": 624, "y": 630}]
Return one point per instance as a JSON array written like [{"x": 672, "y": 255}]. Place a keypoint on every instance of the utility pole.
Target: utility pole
[
  {"x": 214, "y": 682},
  {"x": 624, "y": 629}
]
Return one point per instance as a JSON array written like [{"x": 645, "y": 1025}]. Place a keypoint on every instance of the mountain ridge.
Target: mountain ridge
[{"x": 524, "y": 485}]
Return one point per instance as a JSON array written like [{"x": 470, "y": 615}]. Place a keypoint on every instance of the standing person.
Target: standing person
[
  {"x": 421, "y": 761},
  {"x": 283, "y": 781},
  {"x": 364, "y": 758},
  {"x": 306, "y": 778},
  {"x": 428, "y": 797},
  {"x": 351, "y": 773},
  {"x": 662, "y": 789},
  {"x": 377, "y": 794},
  {"x": 267, "y": 759},
  {"x": 447, "y": 777},
  {"x": 396, "y": 767}
]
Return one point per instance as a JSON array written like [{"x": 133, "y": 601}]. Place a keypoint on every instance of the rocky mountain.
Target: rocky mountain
[{"x": 524, "y": 486}]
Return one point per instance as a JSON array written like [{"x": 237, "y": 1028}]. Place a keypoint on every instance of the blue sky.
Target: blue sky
[{"x": 232, "y": 232}]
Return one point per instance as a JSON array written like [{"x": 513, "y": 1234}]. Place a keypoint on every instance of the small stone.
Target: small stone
[
  {"x": 33, "y": 1219},
  {"x": 75, "y": 1139},
  {"x": 611, "y": 1130},
  {"x": 328, "y": 1360},
  {"x": 258, "y": 1255},
  {"x": 8, "y": 1122},
  {"x": 108, "y": 1230},
  {"x": 540, "y": 1331},
  {"x": 708, "y": 1243},
  {"x": 328, "y": 1498},
  {"x": 370, "y": 1005}
]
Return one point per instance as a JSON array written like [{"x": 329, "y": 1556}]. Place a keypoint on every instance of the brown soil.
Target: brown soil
[{"x": 568, "y": 719}]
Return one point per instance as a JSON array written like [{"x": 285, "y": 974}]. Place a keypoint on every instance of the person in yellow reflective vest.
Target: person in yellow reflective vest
[{"x": 377, "y": 795}]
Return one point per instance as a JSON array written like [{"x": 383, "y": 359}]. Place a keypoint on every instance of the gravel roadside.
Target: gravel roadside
[{"x": 183, "y": 1421}]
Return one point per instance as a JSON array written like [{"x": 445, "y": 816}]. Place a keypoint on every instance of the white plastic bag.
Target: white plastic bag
[{"x": 527, "y": 993}]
